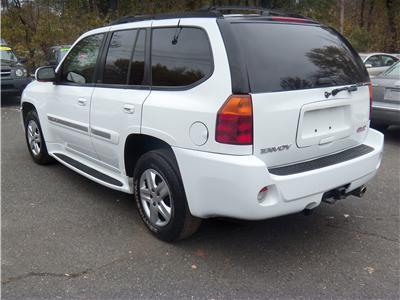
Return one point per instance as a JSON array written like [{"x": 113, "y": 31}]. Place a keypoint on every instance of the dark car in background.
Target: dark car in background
[
  {"x": 57, "y": 53},
  {"x": 386, "y": 97},
  {"x": 14, "y": 75}
]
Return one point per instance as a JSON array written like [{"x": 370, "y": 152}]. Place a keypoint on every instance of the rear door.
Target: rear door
[
  {"x": 118, "y": 97},
  {"x": 293, "y": 70}
]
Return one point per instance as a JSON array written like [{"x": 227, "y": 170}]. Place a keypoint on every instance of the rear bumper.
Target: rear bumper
[{"x": 226, "y": 185}]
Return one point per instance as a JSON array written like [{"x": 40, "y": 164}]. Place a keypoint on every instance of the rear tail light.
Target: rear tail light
[
  {"x": 370, "y": 100},
  {"x": 235, "y": 121}
]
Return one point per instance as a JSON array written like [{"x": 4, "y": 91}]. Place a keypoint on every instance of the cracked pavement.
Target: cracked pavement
[{"x": 65, "y": 237}]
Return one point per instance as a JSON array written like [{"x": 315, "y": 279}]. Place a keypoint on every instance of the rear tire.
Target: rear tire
[
  {"x": 160, "y": 197},
  {"x": 35, "y": 139}
]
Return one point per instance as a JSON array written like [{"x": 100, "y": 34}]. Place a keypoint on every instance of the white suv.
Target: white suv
[{"x": 202, "y": 115}]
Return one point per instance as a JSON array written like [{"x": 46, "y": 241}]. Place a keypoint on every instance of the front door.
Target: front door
[{"x": 68, "y": 111}]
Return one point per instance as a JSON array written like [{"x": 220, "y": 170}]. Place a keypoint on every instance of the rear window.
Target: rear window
[{"x": 283, "y": 57}]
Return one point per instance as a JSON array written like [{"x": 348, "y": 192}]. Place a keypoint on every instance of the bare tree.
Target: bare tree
[
  {"x": 341, "y": 16},
  {"x": 362, "y": 13},
  {"x": 392, "y": 34}
]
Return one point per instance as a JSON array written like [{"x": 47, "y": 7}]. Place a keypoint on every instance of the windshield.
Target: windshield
[
  {"x": 394, "y": 71},
  {"x": 7, "y": 54},
  {"x": 63, "y": 52},
  {"x": 282, "y": 57}
]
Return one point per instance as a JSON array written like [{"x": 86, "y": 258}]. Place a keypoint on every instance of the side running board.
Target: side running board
[{"x": 88, "y": 170}]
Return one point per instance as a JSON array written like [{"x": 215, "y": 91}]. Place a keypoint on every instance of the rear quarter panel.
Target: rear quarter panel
[{"x": 169, "y": 114}]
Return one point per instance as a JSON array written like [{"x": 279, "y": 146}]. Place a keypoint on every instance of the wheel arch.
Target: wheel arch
[
  {"x": 138, "y": 144},
  {"x": 27, "y": 107}
]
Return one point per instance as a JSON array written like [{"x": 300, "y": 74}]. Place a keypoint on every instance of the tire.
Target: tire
[
  {"x": 160, "y": 197},
  {"x": 35, "y": 139}
]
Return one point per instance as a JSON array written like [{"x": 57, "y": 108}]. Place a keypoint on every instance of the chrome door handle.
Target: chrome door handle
[
  {"x": 129, "y": 108},
  {"x": 82, "y": 101}
]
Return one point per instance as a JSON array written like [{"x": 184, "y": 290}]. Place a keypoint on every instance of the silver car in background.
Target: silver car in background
[
  {"x": 386, "y": 97},
  {"x": 377, "y": 63}
]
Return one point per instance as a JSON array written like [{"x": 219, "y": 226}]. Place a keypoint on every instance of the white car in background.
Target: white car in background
[{"x": 377, "y": 63}]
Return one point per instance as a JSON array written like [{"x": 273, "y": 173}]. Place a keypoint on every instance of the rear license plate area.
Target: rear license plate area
[{"x": 321, "y": 125}]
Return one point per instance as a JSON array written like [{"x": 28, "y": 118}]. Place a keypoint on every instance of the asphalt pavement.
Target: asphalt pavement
[{"x": 65, "y": 237}]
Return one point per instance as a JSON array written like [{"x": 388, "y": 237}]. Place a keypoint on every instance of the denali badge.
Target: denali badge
[{"x": 275, "y": 149}]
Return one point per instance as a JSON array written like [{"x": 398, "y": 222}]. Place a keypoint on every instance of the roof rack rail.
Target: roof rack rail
[
  {"x": 218, "y": 10},
  {"x": 211, "y": 12},
  {"x": 128, "y": 19},
  {"x": 193, "y": 14}
]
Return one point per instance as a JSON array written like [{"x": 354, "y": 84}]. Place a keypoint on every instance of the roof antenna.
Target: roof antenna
[{"x": 177, "y": 33}]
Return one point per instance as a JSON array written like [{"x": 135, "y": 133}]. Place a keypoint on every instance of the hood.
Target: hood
[{"x": 11, "y": 64}]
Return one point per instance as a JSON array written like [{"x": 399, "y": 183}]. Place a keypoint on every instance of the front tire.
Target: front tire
[
  {"x": 35, "y": 139},
  {"x": 160, "y": 197}
]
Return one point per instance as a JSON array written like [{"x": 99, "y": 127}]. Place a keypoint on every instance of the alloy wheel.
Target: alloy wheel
[
  {"x": 34, "y": 137},
  {"x": 155, "y": 197}
]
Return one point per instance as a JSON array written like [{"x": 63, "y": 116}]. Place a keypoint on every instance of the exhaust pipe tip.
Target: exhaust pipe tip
[
  {"x": 363, "y": 190},
  {"x": 359, "y": 192}
]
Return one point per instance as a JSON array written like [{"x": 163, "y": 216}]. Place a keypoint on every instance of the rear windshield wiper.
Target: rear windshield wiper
[{"x": 334, "y": 92}]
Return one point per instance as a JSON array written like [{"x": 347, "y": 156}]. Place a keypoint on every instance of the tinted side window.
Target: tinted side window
[
  {"x": 181, "y": 61},
  {"x": 282, "y": 57},
  {"x": 388, "y": 60},
  {"x": 118, "y": 57},
  {"x": 137, "y": 61},
  {"x": 79, "y": 65},
  {"x": 375, "y": 61}
]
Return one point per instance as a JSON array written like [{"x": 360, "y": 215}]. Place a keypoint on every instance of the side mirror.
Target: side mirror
[
  {"x": 53, "y": 62},
  {"x": 368, "y": 66},
  {"x": 23, "y": 60},
  {"x": 45, "y": 74}
]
